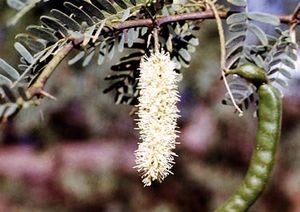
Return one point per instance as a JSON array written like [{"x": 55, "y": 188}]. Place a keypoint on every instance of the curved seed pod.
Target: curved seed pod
[
  {"x": 268, "y": 134},
  {"x": 250, "y": 72}
]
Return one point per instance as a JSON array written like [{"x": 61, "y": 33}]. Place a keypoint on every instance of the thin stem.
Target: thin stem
[
  {"x": 223, "y": 53},
  {"x": 156, "y": 40},
  {"x": 294, "y": 21}
]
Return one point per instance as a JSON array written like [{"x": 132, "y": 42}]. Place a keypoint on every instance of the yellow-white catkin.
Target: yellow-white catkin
[{"x": 157, "y": 116}]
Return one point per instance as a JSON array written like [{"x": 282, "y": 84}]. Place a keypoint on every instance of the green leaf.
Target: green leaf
[
  {"x": 235, "y": 50},
  {"x": 5, "y": 80},
  {"x": 132, "y": 35},
  {"x": 102, "y": 53},
  {"x": 257, "y": 59},
  {"x": 285, "y": 53},
  {"x": 42, "y": 33},
  {"x": 9, "y": 69},
  {"x": 16, "y": 4},
  {"x": 8, "y": 93},
  {"x": 33, "y": 43},
  {"x": 231, "y": 63},
  {"x": 105, "y": 5},
  {"x": 194, "y": 41},
  {"x": 121, "y": 3},
  {"x": 79, "y": 14},
  {"x": 291, "y": 54},
  {"x": 111, "y": 50},
  {"x": 65, "y": 19},
  {"x": 241, "y": 3},
  {"x": 260, "y": 34},
  {"x": 88, "y": 58},
  {"x": 92, "y": 10},
  {"x": 77, "y": 57},
  {"x": 24, "y": 52},
  {"x": 185, "y": 54},
  {"x": 239, "y": 27},
  {"x": 236, "y": 18},
  {"x": 237, "y": 38},
  {"x": 121, "y": 43},
  {"x": 281, "y": 82},
  {"x": 282, "y": 71},
  {"x": 289, "y": 63},
  {"x": 264, "y": 17},
  {"x": 285, "y": 61},
  {"x": 54, "y": 24},
  {"x": 11, "y": 110}
]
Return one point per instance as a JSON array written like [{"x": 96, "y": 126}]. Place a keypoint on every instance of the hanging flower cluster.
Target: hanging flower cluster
[{"x": 157, "y": 115}]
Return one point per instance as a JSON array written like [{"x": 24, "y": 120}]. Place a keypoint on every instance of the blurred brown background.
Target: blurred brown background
[{"x": 77, "y": 154}]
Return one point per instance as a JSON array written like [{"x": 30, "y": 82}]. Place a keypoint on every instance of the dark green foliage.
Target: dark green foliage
[{"x": 240, "y": 51}]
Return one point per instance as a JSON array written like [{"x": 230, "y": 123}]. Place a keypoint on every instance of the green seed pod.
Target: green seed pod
[
  {"x": 267, "y": 137},
  {"x": 250, "y": 72}
]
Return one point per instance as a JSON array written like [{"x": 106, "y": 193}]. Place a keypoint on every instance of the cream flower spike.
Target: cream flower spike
[{"x": 157, "y": 116}]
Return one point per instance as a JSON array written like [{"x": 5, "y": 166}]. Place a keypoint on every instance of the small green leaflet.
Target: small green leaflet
[
  {"x": 241, "y": 3},
  {"x": 9, "y": 69},
  {"x": 5, "y": 80},
  {"x": 260, "y": 34},
  {"x": 264, "y": 18},
  {"x": 16, "y": 4},
  {"x": 236, "y": 18}
]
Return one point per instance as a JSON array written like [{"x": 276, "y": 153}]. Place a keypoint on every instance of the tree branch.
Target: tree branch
[
  {"x": 285, "y": 19},
  {"x": 36, "y": 89}
]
